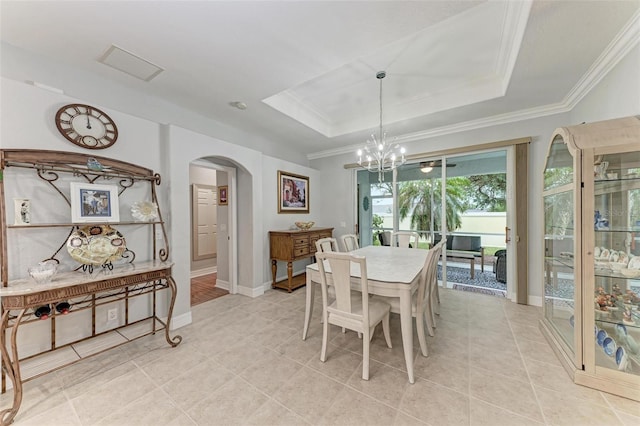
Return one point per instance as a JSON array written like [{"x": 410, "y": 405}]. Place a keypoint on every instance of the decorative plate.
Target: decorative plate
[
  {"x": 619, "y": 354},
  {"x": 623, "y": 258},
  {"x": 96, "y": 245},
  {"x": 634, "y": 263},
  {"x": 600, "y": 337},
  {"x": 630, "y": 273},
  {"x": 145, "y": 211},
  {"x": 609, "y": 346},
  {"x": 621, "y": 330}
]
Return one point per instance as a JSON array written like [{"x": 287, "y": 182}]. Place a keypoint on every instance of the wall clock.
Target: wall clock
[{"x": 86, "y": 126}]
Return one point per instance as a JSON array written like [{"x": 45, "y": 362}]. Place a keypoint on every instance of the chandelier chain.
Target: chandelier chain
[{"x": 381, "y": 156}]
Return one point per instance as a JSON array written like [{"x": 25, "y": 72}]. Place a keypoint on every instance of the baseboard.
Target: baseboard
[
  {"x": 223, "y": 284},
  {"x": 250, "y": 292},
  {"x": 181, "y": 320},
  {"x": 205, "y": 271}
]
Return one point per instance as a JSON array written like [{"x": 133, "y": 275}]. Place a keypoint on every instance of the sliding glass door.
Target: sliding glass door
[{"x": 461, "y": 196}]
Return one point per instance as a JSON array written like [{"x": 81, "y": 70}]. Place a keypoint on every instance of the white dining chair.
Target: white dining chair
[
  {"x": 433, "y": 302},
  {"x": 405, "y": 239},
  {"x": 326, "y": 244},
  {"x": 352, "y": 310},
  {"x": 421, "y": 301},
  {"x": 350, "y": 242}
]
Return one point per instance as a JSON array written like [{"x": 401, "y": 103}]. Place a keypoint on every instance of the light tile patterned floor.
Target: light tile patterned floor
[{"x": 243, "y": 361}]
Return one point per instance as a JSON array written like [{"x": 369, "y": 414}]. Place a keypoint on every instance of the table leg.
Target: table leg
[
  {"x": 290, "y": 274},
  {"x": 274, "y": 270},
  {"x": 308, "y": 310},
  {"x": 406, "y": 324},
  {"x": 473, "y": 267}
]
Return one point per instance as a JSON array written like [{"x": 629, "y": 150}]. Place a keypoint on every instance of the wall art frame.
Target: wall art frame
[
  {"x": 22, "y": 211},
  {"x": 293, "y": 193},
  {"x": 91, "y": 203},
  {"x": 223, "y": 195}
]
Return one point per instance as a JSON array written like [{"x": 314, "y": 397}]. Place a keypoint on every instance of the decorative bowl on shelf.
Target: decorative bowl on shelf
[
  {"x": 43, "y": 272},
  {"x": 305, "y": 225},
  {"x": 144, "y": 211},
  {"x": 630, "y": 273}
]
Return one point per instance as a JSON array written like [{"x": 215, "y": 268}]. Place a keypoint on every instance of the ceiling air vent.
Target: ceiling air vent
[{"x": 129, "y": 63}]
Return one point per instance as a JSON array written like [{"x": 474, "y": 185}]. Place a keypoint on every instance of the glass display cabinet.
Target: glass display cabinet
[{"x": 591, "y": 198}]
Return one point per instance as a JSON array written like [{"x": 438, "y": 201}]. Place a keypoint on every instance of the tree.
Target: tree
[
  {"x": 487, "y": 192},
  {"x": 414, "y": 199},
  {"x": 376, "y": 225}
]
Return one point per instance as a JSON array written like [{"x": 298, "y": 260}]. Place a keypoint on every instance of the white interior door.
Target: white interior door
[{"x": 205, "y": 222}]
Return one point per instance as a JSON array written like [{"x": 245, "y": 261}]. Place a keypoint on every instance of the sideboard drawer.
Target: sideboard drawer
[
  {"x": 301, "y": 240},
  {"x": 301, "y": 251}
]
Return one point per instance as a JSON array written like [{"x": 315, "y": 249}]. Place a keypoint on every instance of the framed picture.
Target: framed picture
[
  {"x": 223, "y": 195},
  {"x": 293, "y": 193},
  {"x": 22, "y": 211},
  {"x": 94, "y": 203}
]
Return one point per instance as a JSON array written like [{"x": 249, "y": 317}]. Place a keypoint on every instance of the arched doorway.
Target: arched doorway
[{"x": 224, "y": 175}]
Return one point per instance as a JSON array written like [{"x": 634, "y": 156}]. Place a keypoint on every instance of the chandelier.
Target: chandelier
[{"x": 381, "y": 156}]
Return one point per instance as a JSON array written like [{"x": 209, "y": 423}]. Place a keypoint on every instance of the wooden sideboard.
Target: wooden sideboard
[{"x": 289, "y": 246}]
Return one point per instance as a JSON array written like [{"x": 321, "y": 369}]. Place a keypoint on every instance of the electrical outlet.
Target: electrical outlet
[{"x": 112, "y": 314}]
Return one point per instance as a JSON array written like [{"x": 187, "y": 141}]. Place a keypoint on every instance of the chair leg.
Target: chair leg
[
  {"x": 325, "y": 337},
  {"x": 436, "y": 309},
  {"x": 432, "y": 312},
  {"x": 385, "y": 329},
  {"x": 421, "y": 337},
  {"x": 365, "y": 355},
  {"x": 428, "y": 316}
]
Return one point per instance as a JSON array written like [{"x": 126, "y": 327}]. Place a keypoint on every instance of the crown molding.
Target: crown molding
[{"x": 619, "y": 47}]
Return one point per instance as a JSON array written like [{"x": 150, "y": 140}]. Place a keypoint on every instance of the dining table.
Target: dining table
[{"x": 391, "y": 272}]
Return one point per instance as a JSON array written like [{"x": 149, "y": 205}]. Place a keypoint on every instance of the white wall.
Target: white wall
[{"x": 257, "y": 205}]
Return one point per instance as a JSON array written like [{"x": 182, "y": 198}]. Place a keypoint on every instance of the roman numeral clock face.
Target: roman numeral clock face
[{"x": 86, "y": 126}]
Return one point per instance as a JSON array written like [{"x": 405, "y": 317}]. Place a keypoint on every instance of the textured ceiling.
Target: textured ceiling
[{"x": 306, "y": 70}]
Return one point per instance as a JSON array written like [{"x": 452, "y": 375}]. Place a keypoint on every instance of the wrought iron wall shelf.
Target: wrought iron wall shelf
[{"x": 20, "y": 298}]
